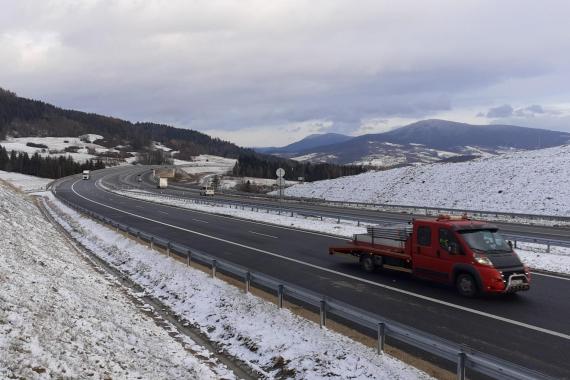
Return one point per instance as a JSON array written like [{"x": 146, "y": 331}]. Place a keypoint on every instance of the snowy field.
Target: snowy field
[
  {"x": 60, "y": 318},
  {"x": 56, "y": 146},
  {"x": 275, "y": 342},
  {"x": 25, "y": 182},
  {"x": 534, "y": 182},
  {"x": 535, "y": 255},
  {"x": 328, "y": 225},
  {"x": 207, "y": 164}
]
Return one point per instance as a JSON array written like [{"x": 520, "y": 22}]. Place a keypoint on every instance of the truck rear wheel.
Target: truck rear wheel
[
  {"x": 367, "y": 263},
  {"x": 466, "y": 285}
]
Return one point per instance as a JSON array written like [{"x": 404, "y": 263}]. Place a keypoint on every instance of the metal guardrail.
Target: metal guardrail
[
  {"x": 462, "y": 356},
  {"x": 408, "y": 209},
  {"x": 294, "y": 213}
]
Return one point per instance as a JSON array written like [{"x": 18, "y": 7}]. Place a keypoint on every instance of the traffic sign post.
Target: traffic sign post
[{"x": 280, "y": 181}]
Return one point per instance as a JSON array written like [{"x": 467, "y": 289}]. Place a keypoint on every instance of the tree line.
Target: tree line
[
  {"x": 252, "y": 165},
  {"x": 45, "y": 167}
]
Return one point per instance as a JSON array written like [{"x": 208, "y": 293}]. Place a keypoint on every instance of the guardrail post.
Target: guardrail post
[
  {"x": 338, "y": 220},
  {"x": 151, "y": 242},
  {"x": 515, "y": 243},
  {"x": 138, "y": 236},
  {"x": 117, "y": 227},
  {"x": 214, "y": 265},
  {"x": 323, "y": 313},
  {"x": 358, "y": 223},
  {"x": 188, "y": 257},
  {"x": 280, "y": 291},
  {"x": 548, "y": 248},
  {"x": 168, "y": 249},
  {"x": 247, "y": 281},
  {"x": 381, "y": 337},
  {"x": 461, "y": 365}
]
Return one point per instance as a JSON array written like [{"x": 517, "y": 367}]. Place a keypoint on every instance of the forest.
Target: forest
[{"x": 45, "y": 167}]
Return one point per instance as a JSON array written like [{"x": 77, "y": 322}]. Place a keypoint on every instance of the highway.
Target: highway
[{"x": 531, "y": 329}]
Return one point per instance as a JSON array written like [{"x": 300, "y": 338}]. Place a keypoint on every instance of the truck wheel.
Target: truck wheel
[
  {"x": 367, "y": 263},
  {"x": 466, "y": 285}
]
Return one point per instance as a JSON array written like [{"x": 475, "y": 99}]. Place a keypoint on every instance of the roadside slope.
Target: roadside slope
[
  {"x": 60, "y": 318},
  {"x": 534, "y": 182}
]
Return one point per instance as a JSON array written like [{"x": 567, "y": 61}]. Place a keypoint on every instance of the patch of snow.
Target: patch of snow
[
  {"x": 274, "y": 341},
  {"x": 208, "y": 164},
  {"x": 534, "y": 182},
  {"x": 306, "y": 157},
  {"x": 60, "y": 318},
  {"x": 25, "y": 182},
  {"x": 55, "y": 146},
  {"x": 327, "y": 225}
]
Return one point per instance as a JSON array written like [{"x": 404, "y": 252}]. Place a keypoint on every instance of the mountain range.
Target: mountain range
[{"x": 424, "y": 141}]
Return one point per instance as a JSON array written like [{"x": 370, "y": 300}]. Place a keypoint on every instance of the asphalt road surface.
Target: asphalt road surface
[{"x": 531, "y": 328}]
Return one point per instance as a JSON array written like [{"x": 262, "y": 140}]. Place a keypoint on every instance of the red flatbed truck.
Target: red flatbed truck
[{"x": 469, "y": 254}]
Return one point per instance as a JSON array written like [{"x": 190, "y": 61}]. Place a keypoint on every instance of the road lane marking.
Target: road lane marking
[
  {"x": 200, "y": 220},
  {"x": 259, "y": 233},
  {"x": 163, "y": 212},
  {"x": 233, "y": 218},
  {"x": 550, "y": 275},
  {"x": 369, "y": 282}
]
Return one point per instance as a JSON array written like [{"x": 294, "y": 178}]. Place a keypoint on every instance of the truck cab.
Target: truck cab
[
  {"x": 207, "y": 191},
  {"x": 472, "y": 255},
  {"x": 85, "y": 174}
]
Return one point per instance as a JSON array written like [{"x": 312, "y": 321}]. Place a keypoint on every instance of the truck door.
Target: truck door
[
  {"x": 448, "y": 250},
  {"x": 426, "y": 261}
]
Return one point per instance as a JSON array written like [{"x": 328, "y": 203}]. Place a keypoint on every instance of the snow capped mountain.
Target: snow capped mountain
[
  {"x": 431, "y": 141},
  {"x": 536, "y": 182}
]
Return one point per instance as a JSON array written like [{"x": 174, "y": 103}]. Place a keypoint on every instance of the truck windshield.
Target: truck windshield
[{"x": 488, "y": 241}]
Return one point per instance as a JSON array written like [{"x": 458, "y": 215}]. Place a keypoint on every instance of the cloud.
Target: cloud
[
  {"x": 501, "y": 111},
  {"x": 230, "y": 65}
]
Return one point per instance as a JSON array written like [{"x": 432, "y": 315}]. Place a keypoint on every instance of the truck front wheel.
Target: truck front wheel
[
  {"x": 367, "y": 263},
  {"x": 466, "y": 285}
]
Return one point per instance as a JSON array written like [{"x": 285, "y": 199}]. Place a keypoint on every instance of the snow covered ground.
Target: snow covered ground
[
  {"x": 275, "y": 342},
  {"x": 25, "y": 182},
  {"x": 535, "y": 255},
  {"x": 207, "y": 164},
  {"x": 328, "y": 225},
  {"x": 56, "y": 146},
  {"x": 535, "y": 182},
  {"x": 60, "y": 318}
]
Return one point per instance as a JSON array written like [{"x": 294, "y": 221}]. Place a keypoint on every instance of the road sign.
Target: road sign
[
  {"x": 280, "y": 172},
  {"x": 280, "y": 181}
]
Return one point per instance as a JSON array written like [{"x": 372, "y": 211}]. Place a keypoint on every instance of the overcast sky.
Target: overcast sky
[{"x": 268, "y": 72}]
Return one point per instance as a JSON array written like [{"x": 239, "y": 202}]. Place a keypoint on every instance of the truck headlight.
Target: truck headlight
[{"x": 483, "y": 260}]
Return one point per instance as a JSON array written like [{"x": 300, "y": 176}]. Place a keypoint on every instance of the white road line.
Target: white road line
[
  {"x": 402, "y": 291},
  {"x": 231, "y": 217},
  {"x": 551, "y": 275},
  {"x": 200, "y": 220},
  {"x": 259, "y": 233}
]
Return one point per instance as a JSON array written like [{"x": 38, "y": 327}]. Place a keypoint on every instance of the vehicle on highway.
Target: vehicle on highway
[
  {"x": 162, "y": 183},
  {"x": 207, "y": 191},
  {"x": 86, "y": 174},
  {"x": 472, "y": 255}
]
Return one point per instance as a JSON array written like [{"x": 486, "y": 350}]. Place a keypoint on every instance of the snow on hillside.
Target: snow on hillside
[
  {"x": 56, "y": 146},
  {"x": 209, "y": 164},
  {"x": 536, "y": 182},
  {"x": 60, "y": 318},
  {"x": 25, "y": 182},
  {"x": 275, "y": 342}
]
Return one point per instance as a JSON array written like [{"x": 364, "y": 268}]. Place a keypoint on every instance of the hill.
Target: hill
[
  {"x": 21, "y": 117},
  {"x": 310, "y": 142},
  {"x": 536, "y": 182},
  {"x": 434, "y": 140}
]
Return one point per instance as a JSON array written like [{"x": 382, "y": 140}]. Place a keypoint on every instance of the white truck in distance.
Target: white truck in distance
[
  {"x": 207, "y": 191},
  {"x": 162, "y": 183},
  {"x": 86, "y": 174}
]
